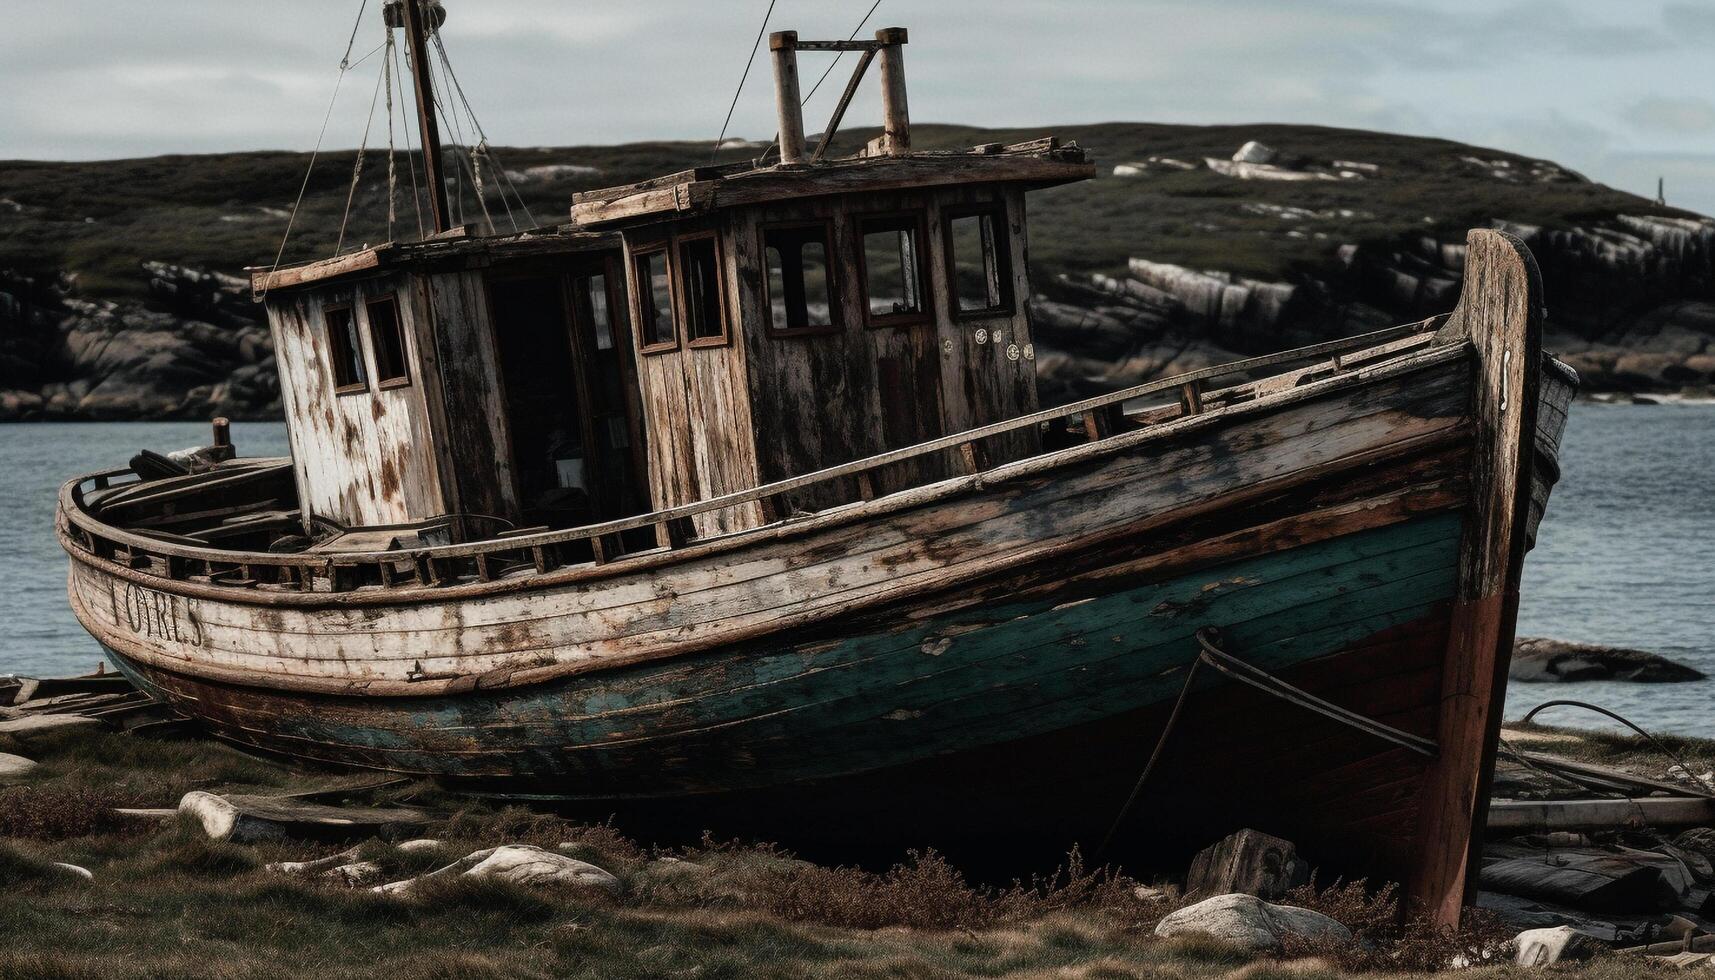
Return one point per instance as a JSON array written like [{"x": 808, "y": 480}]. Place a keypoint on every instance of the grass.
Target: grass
[
  {"x": 168, "y": 902},
  {"x": 99, "y": 220}
]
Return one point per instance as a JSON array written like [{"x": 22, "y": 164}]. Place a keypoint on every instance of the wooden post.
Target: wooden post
[
  {"x": 787, "y": 105},
  {"x": 417, "y": 48},
  {"x": 896, "y": 117},
  {"x": 1500, "y": 311},
  {"x": 222, "y": 433}
]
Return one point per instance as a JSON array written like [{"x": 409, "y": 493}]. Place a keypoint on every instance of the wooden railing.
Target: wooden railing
[{"x": 501, "y": 557}]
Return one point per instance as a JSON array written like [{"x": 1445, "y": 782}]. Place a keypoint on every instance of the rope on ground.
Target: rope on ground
[
  {"x": 1659, "y": 747},
  {"x": 292, "y": 219}
]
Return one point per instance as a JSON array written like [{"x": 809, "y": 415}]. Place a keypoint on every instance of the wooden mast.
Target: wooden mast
[{"x": 417, "y": 48}]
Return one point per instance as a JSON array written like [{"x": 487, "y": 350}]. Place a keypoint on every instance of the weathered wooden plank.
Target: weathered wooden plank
[
  {"x": 1500, "y": 311},
  {"x": 690, "y": 618}
]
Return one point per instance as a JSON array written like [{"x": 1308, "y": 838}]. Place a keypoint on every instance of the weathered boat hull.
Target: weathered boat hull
[{"x": 992, "y": 655}]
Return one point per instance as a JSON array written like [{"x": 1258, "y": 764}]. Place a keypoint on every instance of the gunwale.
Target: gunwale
[
  {"x": 1421, "y": 351},
  {"x": 480, "y": 668}
]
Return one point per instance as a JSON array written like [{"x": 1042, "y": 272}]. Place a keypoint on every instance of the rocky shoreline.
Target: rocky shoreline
[{"x": 130, "y": 306}]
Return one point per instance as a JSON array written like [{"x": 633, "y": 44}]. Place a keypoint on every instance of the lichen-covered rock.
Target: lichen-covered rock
[
  {"x": 1536, "y": 660},
  {"x": 1542, "y": 947},
  {"x": 43, "y": 729},
  {"x": 1248, "y": 921},
  {"x": 14, "y": 767},
  {"x": 523, "y": 864}
]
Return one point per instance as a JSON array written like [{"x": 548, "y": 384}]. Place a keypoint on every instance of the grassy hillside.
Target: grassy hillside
[{"x": 226, "y": 211}]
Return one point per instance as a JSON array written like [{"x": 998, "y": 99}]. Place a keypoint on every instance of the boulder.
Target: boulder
[
  {"x": 14, "y": 767},
  {"x": 1248, "y": 921},
  {"x": 246, "y": 819},
  {"x": 49, "y": 729},
  {"x": 1254, "y": 152},
  {"x": 1542, "y": 947},
  {"x": 523, "y": 864},
  {"x": 1539, "y": 660},
  {"x": 356, "y": 874},
  {"x": 1250, "y": 862},
  {"x": 317, "y": 866},
  {"x": 84, "y": 873}
]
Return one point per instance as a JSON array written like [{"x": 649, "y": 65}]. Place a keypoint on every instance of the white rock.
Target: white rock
[
  {"x": 14, "y": 767},
  {"x": 1248, "y": 921},
  {"x": 44, "y": 729},
  {"x": 1541, "y": 947},
  {"x": 1253, "y": 152},
  {"x": 317, "y": 866},
  {"x": 420, "y": 844},
  {"x": 1129, "y": 170},
  {"x": 524, "y": 864},
  {"x": 356, "y": 874},
  {"x": 84, "y": 873}
]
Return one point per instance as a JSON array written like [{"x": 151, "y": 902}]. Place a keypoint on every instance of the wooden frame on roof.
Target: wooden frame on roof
[{"x": 1039, "y": 163}]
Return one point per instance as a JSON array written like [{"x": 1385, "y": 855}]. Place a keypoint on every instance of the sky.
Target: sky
[{"x": 1622, "y": 91}]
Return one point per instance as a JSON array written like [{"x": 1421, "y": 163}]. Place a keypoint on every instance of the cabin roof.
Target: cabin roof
[
  {"x": 457, "y": 246},
  {"x": 1040, "y": 163}
]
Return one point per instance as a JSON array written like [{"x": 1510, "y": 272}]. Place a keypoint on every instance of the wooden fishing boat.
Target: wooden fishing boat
[{"x": 732, "y": 502}]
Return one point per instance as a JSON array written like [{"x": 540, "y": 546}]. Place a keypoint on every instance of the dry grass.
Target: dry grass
[{"x": 166, "y": 902}]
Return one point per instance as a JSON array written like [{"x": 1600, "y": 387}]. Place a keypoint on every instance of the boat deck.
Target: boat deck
[{"x": 392, "y": 560}]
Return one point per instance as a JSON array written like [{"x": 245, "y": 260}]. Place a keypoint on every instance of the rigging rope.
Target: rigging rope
[
  {"x": 392, "y": 167},
  {"x": 410, "y": 161},
  {"x": 292, "y": 219},
  {"x": 716, "y": 152},
  {"x": 357, "y": 165},
  {"x": 1659, "y": 747},
  {"x": 1208, "y": 639},
  {"x": 482, "y": 135}
]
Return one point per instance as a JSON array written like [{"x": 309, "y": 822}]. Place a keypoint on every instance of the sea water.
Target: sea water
[{"x": 1626, "y": 556}]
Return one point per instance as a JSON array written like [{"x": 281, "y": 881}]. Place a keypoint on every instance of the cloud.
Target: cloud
[
  {"x": 1552, "y": 78},
  {"x": 1681, "y": 115}
]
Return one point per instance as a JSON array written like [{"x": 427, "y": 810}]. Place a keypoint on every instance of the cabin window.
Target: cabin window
[
  {"x": 593, "y": 291},
  {"x": 977, "y": 263},
  {"x": 891, "y": 250},
  {"x": 800, "y": 291},
  {"x": 387, "y": 339},
  {"x": 700, "y": 289},
  {"x": 655, "y": 302},
  {"x": 345, "y": 351}
]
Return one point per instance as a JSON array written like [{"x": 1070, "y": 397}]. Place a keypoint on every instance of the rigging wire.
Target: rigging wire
[
  {"x": 392, "y": 165},
  {"x": 715, "y": 153},
  {"x": 405, "y": 123},
  {"x": 476, "y": 124},
  {"x": 451, "y": 118},
  {"x": 357, "y": 165},
  {"x": 482, "y": 150},
  {"x": 292, "y": 219},
  {"x": 775, "y": 142}
]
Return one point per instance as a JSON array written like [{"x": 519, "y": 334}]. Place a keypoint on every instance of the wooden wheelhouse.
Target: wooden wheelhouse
[
  {"x": 459, "y": 387},
  {"x": 686, "y": 337},
  {"x": 798, "y": 316}
]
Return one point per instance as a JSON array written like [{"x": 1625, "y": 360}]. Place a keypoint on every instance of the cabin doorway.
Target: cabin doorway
[{"x": 570, "y": 391}]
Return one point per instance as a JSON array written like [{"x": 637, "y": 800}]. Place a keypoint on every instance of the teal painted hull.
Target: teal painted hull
[{"x": 887, "y": 694}]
